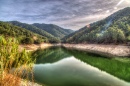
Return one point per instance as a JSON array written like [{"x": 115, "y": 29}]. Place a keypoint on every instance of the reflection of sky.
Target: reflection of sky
[
  {"x": 71, "y": 14},
  {"x": 72, "y": 71}
]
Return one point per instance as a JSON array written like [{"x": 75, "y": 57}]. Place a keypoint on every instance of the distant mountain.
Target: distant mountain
[
  {"x": 113, "y": 29},
  {"x": 23, "y": 35},
  {"x": 34, "y": 29},
  {"x": 54, "y": 29}
]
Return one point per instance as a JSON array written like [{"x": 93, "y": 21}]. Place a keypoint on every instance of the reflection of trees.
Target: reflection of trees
[
  {"x": 50, "y": 55},
  {"x": 118, "y": 67}
]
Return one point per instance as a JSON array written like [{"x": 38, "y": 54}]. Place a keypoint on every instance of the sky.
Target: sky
[{"x": 70, "y": 14}]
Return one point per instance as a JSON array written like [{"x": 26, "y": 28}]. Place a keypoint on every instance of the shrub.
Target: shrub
[{"x": 27, "y": 40}]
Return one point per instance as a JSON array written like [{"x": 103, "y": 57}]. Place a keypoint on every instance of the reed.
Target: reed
[{"x": 13, "y": 63}]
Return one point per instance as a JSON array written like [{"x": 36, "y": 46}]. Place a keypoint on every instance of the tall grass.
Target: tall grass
[{"x": 11, "y": 61}]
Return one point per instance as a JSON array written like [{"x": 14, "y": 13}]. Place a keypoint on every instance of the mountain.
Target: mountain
[
  {"x": 54, "y": 29},
  {"x": 113, "y": 29},
  {"x": 23, "y": 35},
  {"x": 34, "y": 29}
]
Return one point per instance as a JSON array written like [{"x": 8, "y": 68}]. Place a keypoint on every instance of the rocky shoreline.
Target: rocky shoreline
[{"x": 105, "y": 50}]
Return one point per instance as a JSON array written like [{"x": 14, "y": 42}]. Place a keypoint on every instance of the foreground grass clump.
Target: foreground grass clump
[{"x": 13, "y": 63}]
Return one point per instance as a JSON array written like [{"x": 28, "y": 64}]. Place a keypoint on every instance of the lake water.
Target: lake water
[{"x": 61, "y": 67}]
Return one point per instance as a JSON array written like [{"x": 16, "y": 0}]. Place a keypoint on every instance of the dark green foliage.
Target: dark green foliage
[
  {"x": 114, "y": 35},
  {"x": 128, "y": 38},
  {"x": 113, "y": 29},
  {"x": 21, "y": 34},
  {"x": 38, "y": 41},
  {"x": 27, "y": 40},
  {"x": 49, "y": 55},
  {"x": 54, "y": 29},
  {"x": 34, "y": 29}
]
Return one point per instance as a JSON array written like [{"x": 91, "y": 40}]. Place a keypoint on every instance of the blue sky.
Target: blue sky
[{"x": 70, "y": 14}]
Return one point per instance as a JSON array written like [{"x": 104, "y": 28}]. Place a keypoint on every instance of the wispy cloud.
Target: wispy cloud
[
  {"x": 121, "y": 1},
  {"x": 72, "y": 14}
]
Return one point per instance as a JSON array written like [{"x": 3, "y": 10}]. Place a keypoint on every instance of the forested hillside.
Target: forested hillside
[
  {"x": 113, "y": 29},
  {"x": 54, "y": 29},
  {"x": 24, "y": 36},
  {"x": 34, "y": 29}
]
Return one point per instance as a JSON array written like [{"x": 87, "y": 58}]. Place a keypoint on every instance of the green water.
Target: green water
[{"x": 61, "y": 67}]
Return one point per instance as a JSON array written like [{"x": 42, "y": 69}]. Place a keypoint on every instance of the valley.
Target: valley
[{"x": 50, "y": 55}]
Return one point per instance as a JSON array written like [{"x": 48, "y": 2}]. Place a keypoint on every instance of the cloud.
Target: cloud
[
  {"x": 81, "y": 21},
  {"x": 72, "y": 14},
  {"x": 121, "y": 1}
]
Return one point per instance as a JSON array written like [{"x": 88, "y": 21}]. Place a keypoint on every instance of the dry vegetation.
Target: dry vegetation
[{"x": 13, "y": 63}]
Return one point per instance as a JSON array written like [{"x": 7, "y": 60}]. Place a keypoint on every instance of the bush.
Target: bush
[
  {"x": 27, "y": 40},
  {"x": 114, "y": 35},
  {"x": 128, "y": 38},
  {"x": 38, "y": 41}
]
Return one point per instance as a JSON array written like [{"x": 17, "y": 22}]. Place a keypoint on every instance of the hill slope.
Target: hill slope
[
  {"x": 23, "y": 35},
  {"x": 34, "y": 29},
  {"x": 54, "y": 29},
  {"x": 113, "y": 29}
]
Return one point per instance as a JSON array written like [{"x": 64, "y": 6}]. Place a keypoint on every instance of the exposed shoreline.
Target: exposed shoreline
[
  {"x": 105, "y": 50},
  {"x": 33, "y": 47}
]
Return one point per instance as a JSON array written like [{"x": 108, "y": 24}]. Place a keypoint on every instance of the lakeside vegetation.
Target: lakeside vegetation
[{"x": 10, "y": 62}]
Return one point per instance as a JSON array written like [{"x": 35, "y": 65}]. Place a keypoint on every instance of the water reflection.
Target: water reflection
[
  {"x": 72, "y": 72},
  {"x": 50, "y": 55}
]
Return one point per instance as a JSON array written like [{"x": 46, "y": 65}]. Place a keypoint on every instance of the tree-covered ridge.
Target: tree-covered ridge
[
  {"x": 113, "y": 29},
  {"x": 23, "y": 35},
  {"x": 34, "y": 29},
  {"x": 53, "y": 29}
]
